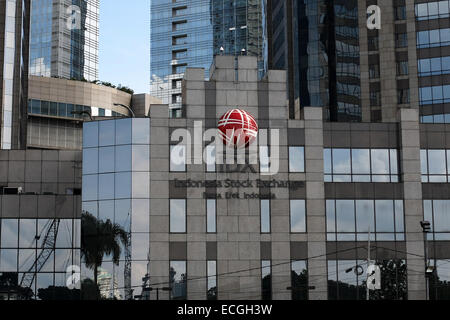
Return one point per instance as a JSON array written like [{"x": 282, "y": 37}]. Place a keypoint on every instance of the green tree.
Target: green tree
[{"x": 98, "y": 239}]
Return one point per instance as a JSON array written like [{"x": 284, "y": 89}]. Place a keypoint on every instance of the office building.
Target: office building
[
  {"x": 190, "y": 33},
  {"x": 57, "y": 108},
  {"x": 359, "y": 73},
  {"x": 64, "y": 39},
  {"x": 40, "y": 193},
  {"x": 247, "y": 232}
]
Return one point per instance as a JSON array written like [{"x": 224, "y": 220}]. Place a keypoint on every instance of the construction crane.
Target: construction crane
[{"x": 47, "y": 248}]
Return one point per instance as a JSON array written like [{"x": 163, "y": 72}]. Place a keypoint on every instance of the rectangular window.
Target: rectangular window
[
  {"x": 298, "y": 216},
  {"x": 212, "y": 280},
  {"x": 401, "y": 40},
  {"x": 177, "y": 216},
  {"x": 211, "y": 216},
  {"x": 178, "y": 158},
  {"x": 400, "y": 12},
  {"x": 375, "y": 98},
  {"x": 436, "y": 212},
  {"x": 435, "y": 165},
  {"x": 178, "y": 280},
  {"x": 361, "y": 165},
  {"x": 211, "y": 158},
  {"x": 264, "y": 165},
  {"x": 266, "y": 280},
  {"x": 403, "y": 96},
  {"x": 402, "y": 68},
  {"x": 265, "y": 216},
  {"x": 352, "y": 220},
  {"x": 374, "y": 71},
  {"x": 299, "y": 280},
  {"x": 296, "y": 159},
  {"x": 347, "y": 279}
]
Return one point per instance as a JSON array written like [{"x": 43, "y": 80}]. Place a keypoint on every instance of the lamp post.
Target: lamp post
[
  {"x": 359, "y": 271},
  {"x": 426, "y": 228},
  {"x": 83, "y": 112},
  {"x": 133, "y": 115}
]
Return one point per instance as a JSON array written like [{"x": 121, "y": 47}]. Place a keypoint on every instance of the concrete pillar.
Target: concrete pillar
[
  {"x": 159, "y": 200},
  {"x": 410, "y": 164},
  {"x": 315, "y": 203}
]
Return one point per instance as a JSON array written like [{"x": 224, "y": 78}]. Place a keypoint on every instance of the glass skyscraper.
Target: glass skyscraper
[
  {"x": 190, "y": 33},
  {"x": 64, "y": 39},
  {"x": 318, "y": 43}
]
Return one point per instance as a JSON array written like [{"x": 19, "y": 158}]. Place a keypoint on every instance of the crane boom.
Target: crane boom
[{"x": 47, "y": 248}]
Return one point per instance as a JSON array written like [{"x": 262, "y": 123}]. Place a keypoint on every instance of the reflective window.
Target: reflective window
[
  {"x": 433, "y": 38},
  {"x": 20, "y": 245},
  {"x": 123, "y": 158},
  {"x": 299, "y": 279},
  {"x": 266, "y": 279},
  {"x": 298, "y": 216},
  {"x": 141, "y": 158},
  {"x": 9, "y": 233},
  {"x": 211, "y": 216},
  {"x": 90, "y": 188},
  {"x": 106, "y": 186},
  {"x": 347, "y": 280},
  {"x": 90, "y": 161},
  {"x": 435, "y": 166},
  {"x": 178, "y": 280},
  {"x": 123, "y": 131},
  {"x": 106, "y": 159},
  {"x": 141, "y": 185},
  {"x": 264, "y": 160},
  {"x": 211, "y": 159},
  {"x": 141, "y": 131},
  {"x": 90, "y": 134},
  {"x": 106, "y": 133},
  {"x": 265, "y": 216},
  {"x": 436, "y": 211},
  {"x": 352, "y": 220},
  {"x": 432, "y": 10},
  {"x": 123, "y": 185},
  {"x": 177, "y": 216},
  {"x": 440, "y": 282},
  {"x": 140, "y": 215},
  {"x": 361, "y": 165},
  {"x": 178, "y": 158},
  {"x": 212, "y": 280},
  {"x": 296, "y": 159},
  {"x": 434, "y": 66}
]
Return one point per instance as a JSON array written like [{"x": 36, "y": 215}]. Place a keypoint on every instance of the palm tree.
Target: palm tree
[{"x": 100, "y": 238}]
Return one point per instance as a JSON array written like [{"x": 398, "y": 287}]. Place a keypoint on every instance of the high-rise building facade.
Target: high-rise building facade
[
  {"x": 181, "y": 34},
  {"x": 238, "y": 28},
  {"x": 64, "y": 38},
  {"x": 14, "y": 26},
  {"x": 318, "y": 42},
  {"x": 335, "y": 58},
  {"x": 191, "y": 33}
]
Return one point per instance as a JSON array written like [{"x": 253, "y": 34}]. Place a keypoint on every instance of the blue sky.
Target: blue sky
[{"x": 124, "y": 43}]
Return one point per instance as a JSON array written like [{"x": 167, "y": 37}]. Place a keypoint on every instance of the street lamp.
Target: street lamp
[
  {"x": 126, "y": 107},
  {"x": 426, "y": 228},
  {"x": 82, "y": 112},
  {"x": 359, "y": 271}
]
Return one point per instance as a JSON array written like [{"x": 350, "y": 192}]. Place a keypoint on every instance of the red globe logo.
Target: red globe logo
[{"x": 238, "y": 128}]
